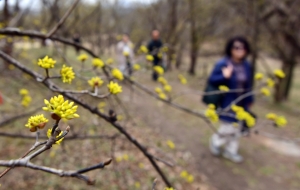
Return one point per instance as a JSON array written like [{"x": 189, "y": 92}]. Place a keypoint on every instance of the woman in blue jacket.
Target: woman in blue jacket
[{"x": 235, "y": 72}]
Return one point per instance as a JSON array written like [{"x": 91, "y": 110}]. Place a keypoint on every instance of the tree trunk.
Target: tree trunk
[
  {"x": 193, "y": 57},
  {"x": 283, "y": 88},
  {"x": 179, "y": 55},
  {"x": 193, "y": 39}
]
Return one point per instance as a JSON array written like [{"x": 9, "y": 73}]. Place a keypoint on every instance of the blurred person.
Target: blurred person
[
  {"x": 233, "y": 71},
  {"x": 125, "y": 54},
  {"x": 154, "y": 47},
  {"x": 77, "y": 40}
]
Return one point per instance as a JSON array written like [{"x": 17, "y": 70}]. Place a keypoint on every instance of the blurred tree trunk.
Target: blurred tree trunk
[
  {"x": 172, "y": 31},
  {"x": 179, "y": 55},
  {"x": 193, "y": 39}
]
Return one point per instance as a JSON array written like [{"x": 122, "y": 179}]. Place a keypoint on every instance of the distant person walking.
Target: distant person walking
[
  {"x": 125, "y": 54},
  {"x": 233, "y": 71},
  {"x": 154, "y": 47},
  {"x": 77, "y": 40}
]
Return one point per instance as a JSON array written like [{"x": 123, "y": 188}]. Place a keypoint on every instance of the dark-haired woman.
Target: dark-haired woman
[{"x": 235, "y": 72}]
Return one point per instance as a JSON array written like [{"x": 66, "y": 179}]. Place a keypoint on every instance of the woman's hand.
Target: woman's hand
[{"x": 227, "y": 71}]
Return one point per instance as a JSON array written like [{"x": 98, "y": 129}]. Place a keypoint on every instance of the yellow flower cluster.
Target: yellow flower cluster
[
  {"x": 61, "y": 108},
  {"x": 23, "y": 92},
  {"x": 170, "y": 144},
  {"x": 149, "y": 58},
  {"x": 165, "y": 49},
  {"x": 67, "y": 74},
  {"x": 188, "y": 177},
  {"x": 162, "y": 96},
  {"x": 136, "y": 67},
  {"x": 144, "y": 49},
  {"x": 223, "y": 88},
  {"x": 168, "y": 88},
  {"x": 279, "y": 73},
  {"x": 169, "y": 188},
  {"x": 158, "y": 90},
  {"x": 211, "y": 113},
  {"x": 109, "y": 61},
  {"x": 243, "y": 115},
  {"x": 26, "y": 99},
  {"x": 124, "y": 157},
  {"x": 35, "y": 122},
  {"x": 280, "y": 121},
  {"x": 259, "y": 76},
  {"x": 49, "y": 135},
  {"x": 98, "y": 62},
  {"x": 162, "y": 80},
  {"x": 95, "y": 81},
  {"x": 158, "y": 69},
  {"x": 270, "y": 82},
  {"x": 265, "y": 91},
  {"x": 46, "y": 62},
  {"x": 182, "y": 79},
  {"x": 117, "y": 74},
  {"x": 114, "y": 88},
  {"x": 82, "y": 57}
]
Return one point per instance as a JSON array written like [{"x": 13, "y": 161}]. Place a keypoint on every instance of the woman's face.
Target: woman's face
[{"x": 238, "y": 51}]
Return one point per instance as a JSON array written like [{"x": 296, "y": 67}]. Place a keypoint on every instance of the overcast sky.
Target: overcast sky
[{"x": 36, "y": 3}]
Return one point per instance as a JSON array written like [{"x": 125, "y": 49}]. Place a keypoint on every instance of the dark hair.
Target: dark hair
[{"x": 230, "y": 42}]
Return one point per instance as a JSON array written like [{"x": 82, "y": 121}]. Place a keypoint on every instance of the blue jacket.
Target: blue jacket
[{"x": 216, "y": 79}]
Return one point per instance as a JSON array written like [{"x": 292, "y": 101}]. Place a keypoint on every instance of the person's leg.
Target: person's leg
[
  {"x": 154, "y": 74},
  {"x": 219, "y": 139},
  {"x": 232, "y": 145}
]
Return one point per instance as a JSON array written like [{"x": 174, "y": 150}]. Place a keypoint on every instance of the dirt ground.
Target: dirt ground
[{"x": 268, "y": 163}]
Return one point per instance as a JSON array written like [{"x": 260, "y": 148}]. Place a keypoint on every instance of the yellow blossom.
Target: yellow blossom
[
  {"x": 23, "y": 92},
  {"x": 82, "y": 57},
  {"x": 136, "y": 67},
  {"x": 114, "y": 88},
  {"x": 211, "y": 113},
  {"x": 49, "y": 135},
  {"x": 37, "y": 121},
  {"x": 158, "y": 90},
  {"x": 170, "y": 144},
  {"x": 162, "y": 96},
  {"x": 117, "y": 74},
  {"x": 162, "y": 80},
  {"x": 67, "y": 74},
  {"x": 158, "y": 69},
  {"x": 265, "y": 91},
  {"x": 95, "y": 82},
  {"x": 159, "y": 55},
  {"x": 109, "y": 61},
  {"x": 271, "y": 116},
  {"x": 119, "y": 158},
  {"x": 182, "y": 79},
  {"x": 223, "y": 88},
  {"x": 243, "y": 115},
  {"x": 61, "y": 108},
  {"x": 144, "y": 49},
  {"x": 270, "y": 83},
  {"x": 125, "y": 157},
  {"x": 169, "y": 188},
  {"x": 184, "y": 174},
  {"x": 281, "y": 121},
  {"x": 165, "y": 49},
  {"x": 149, "y": 58},
  {"x": 26, "y": 100},
  {"x": 46, "y": 62},
  {"x": 259, "y": 76},
  {"x": 119, "y": 117},
  {"x": 168, "y": 88},
  {"x": 279, "y": 73},
  {"x": 11, "y": 67},
  {"x": 190, "y": 178},
  {"x": 137, "y": 185},
  {"x": 101, "y": 105},
  {"x": 98, "y": 62},
  {"x": 141, "y": 165}
]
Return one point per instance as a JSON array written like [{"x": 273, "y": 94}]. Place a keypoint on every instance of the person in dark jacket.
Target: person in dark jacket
[
  {"x": 154, "y": 47},
  {"x": 233, "y": 71}
]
